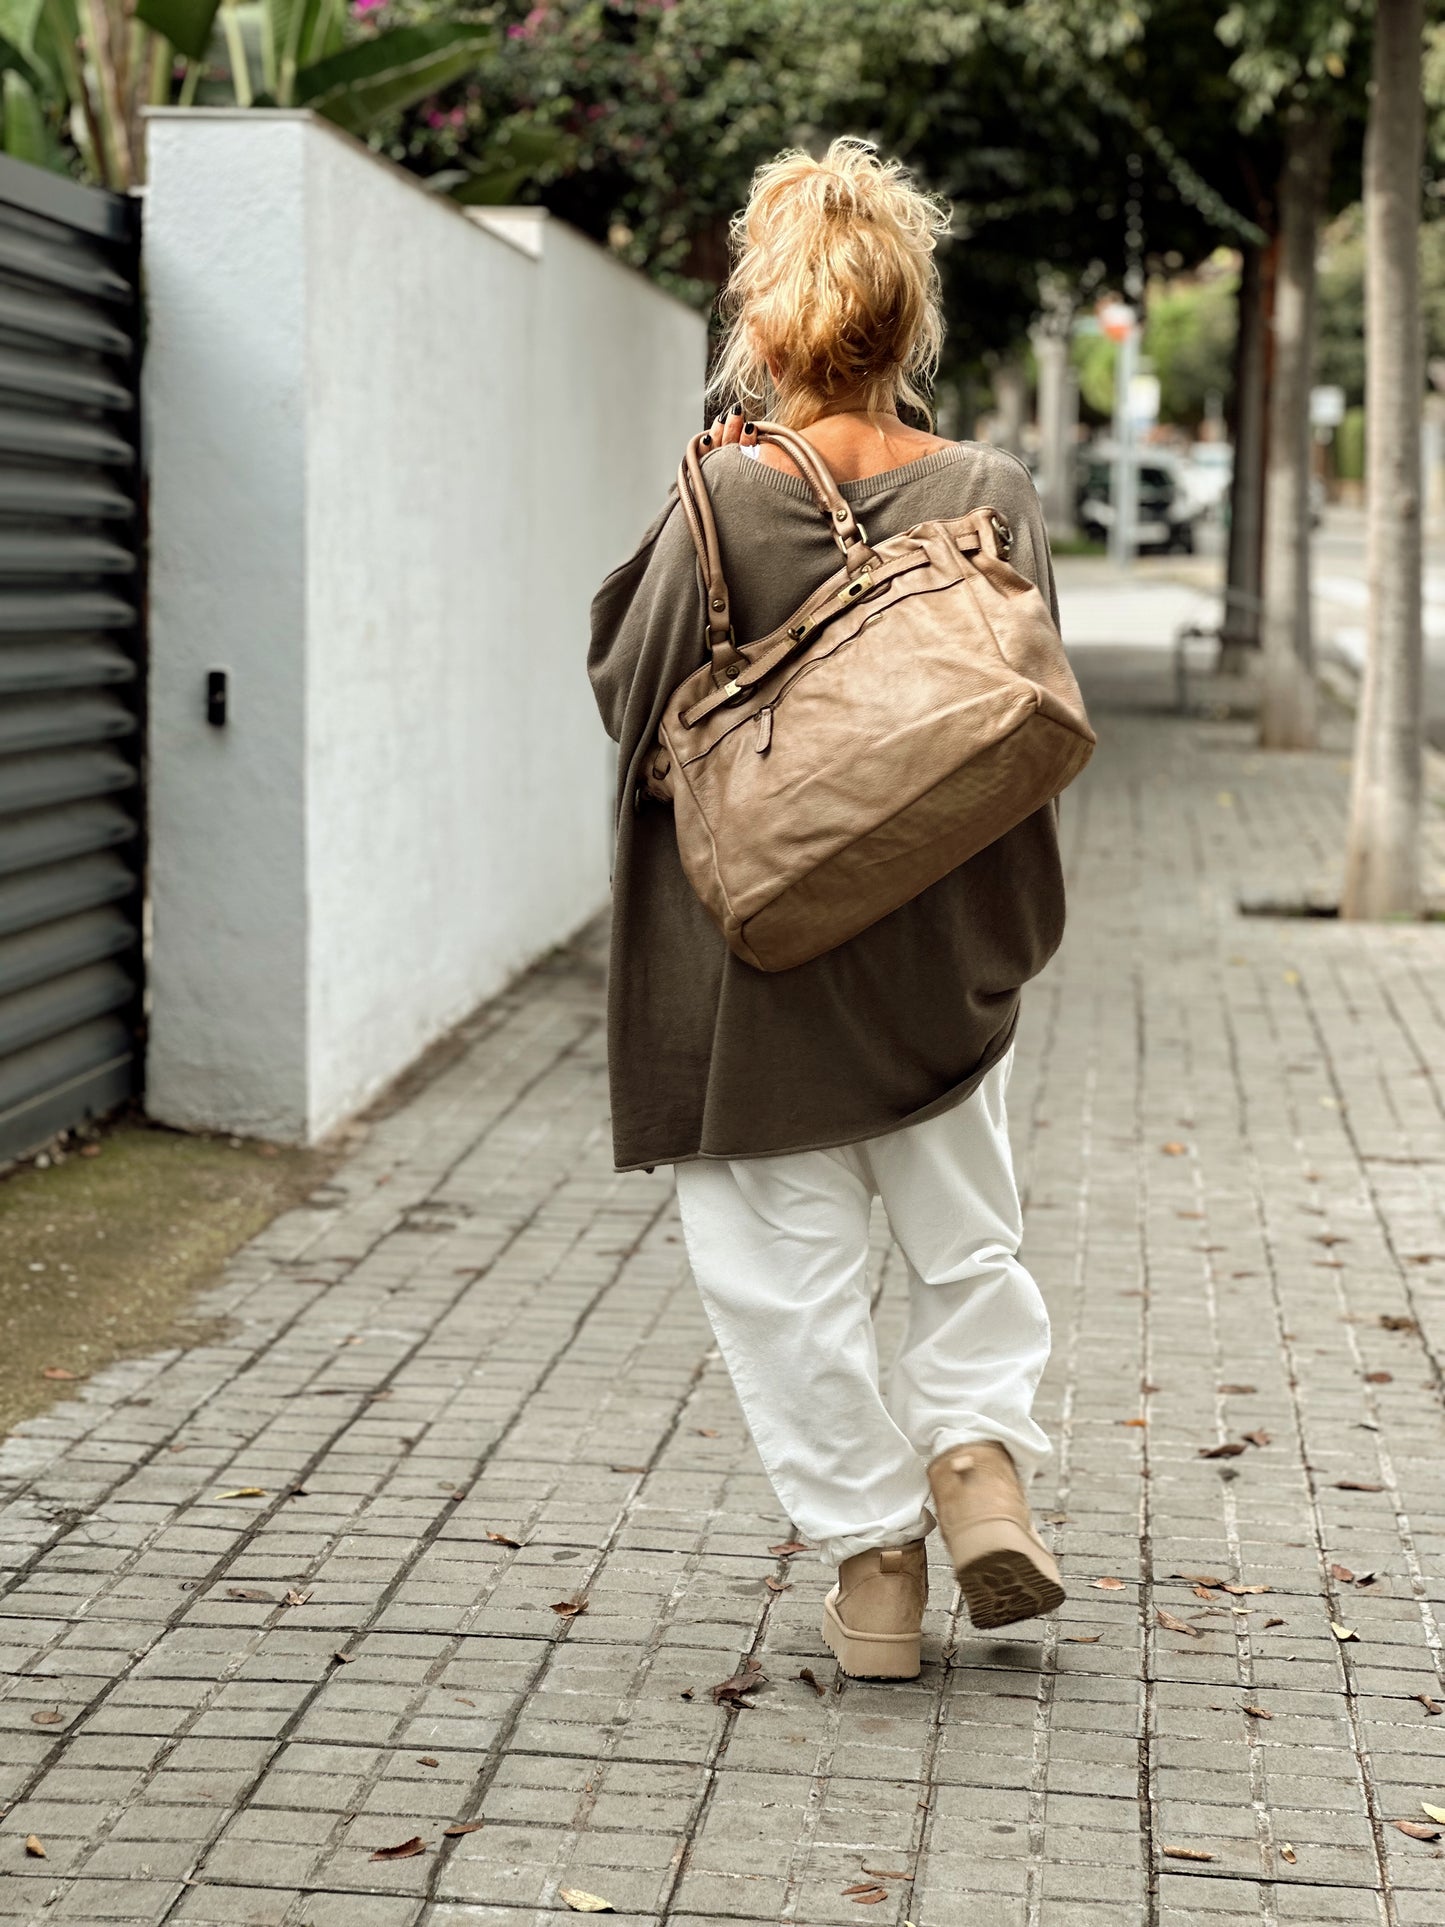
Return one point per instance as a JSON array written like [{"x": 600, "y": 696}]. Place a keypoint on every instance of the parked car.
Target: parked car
[
  {"x": 1208, "y": 471},
  {"x": 1165, "y": 512}
]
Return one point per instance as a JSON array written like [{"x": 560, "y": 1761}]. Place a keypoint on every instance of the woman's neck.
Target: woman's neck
[{"x": 857, "y": 443}]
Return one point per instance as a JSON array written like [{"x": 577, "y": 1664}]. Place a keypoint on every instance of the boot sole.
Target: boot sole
[
  {"x": 1004, "y": 1575},
  {"x": 871, "y": 1655}
]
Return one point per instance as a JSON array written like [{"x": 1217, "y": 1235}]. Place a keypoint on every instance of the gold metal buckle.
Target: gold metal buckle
[
  {"x": 733, "y": 688},
  {"x": 860, "y": 585}
]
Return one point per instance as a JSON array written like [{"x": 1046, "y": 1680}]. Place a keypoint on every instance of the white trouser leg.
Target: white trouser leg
[
  {"x": 779, "y": 1248},
  {"x": 977, "y": 1338}
]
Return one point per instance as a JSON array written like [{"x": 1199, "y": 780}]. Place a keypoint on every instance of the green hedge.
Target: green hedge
[{"x": 1350, "y": 446}]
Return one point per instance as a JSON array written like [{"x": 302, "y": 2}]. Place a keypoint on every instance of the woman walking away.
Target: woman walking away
[{"x": 789, "y": 1099}]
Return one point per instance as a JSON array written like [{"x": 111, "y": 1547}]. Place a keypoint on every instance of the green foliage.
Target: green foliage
[
  {"x": 1350, "y": 446},
  {"x": 1298, "y": 53},
  {"x": 1189, "y": 330},
  {"x": 1340, "y": 354},
  {"x": 26, "y": 137},
  {"x": 361, "y": 84},
  {"x": 1189, "y": 337},
  {"x": 185, "y": 23}
]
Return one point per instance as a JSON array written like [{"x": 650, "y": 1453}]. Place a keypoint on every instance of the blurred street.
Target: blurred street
[
  {"x": 403, "y": 1597},
  {"x": 1162, "y": 593}
]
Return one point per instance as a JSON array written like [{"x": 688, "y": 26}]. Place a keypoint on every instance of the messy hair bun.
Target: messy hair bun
[{"x": 834, "y": 287}]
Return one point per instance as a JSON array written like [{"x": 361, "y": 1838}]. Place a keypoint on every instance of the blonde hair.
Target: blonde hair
[{"x": 834, "y": 288}]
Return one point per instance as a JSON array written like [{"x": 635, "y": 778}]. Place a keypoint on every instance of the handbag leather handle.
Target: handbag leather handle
[{"x": 692, "y": 492}]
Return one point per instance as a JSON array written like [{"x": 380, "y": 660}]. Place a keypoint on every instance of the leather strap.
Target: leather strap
[
  {"x": 702, "y": 526},
  {"x": 827, "y": 602}
]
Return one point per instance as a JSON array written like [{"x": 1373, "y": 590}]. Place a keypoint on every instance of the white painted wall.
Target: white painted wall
[{"x": 393, "y": 449}]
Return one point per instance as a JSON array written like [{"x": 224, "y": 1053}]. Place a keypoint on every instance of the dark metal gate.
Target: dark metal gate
[{"x": 70, "y": 655}]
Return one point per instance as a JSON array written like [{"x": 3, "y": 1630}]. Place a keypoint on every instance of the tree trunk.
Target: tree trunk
[
  {"x": 1240, "y": 632},
  {"x": 1288, "y": 707},
  {"x": 1056, "y": 447},
  {"x": 1382, "y": 861},
  {"x": 1011, "y": 400}
]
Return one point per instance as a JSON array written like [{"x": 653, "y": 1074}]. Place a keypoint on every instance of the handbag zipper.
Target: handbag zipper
[{"x": 765, "y": 729}]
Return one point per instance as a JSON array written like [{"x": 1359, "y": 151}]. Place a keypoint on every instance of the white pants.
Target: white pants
[{"x": 779, "y": 1249}]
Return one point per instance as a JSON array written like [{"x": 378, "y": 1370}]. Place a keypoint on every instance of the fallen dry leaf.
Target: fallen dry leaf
[
  {"x": 686, "y": 1693},
  {"x": 583, "y": 1903},
  {"x": 1342, "y": 1633},
  {"x": 251, "y": 1594},
  {"x": 294, "y": 1598},
  {"x": 1343, "y": 1574},
  {"x": 1430, "y": 1705},
  {"x": 810, "y": 1678},
  {"x": 1392, "y": 1322},
  {"x": 888, "y": 1873},
  {"x": 425, "y": 1759},
  {"x": 1083, "y": 1639},
  {"x": 569, "y": 1608},
  {"x": 407, "y": 1850},
  {"x": 704, "y": 1431},
  {"x": 462, "y": 1826},
  {"x": 1366, "y": 1578},
  {"x": 1238, "y": 1391},
  {"x": 343, "y": 1659},
  {"x": 1356, "y": 1485},
  {"x": 1174, "y": 1149},
  {"x": 1288, "y": 1853},
  {"x": 1231, "y": 1449},
  {"x": 1258, "y": 1713},
  {"x": 1203, "y": 1592},
  {"x": 788, "y": 1548},
  {"x": 1199, "y": 1579},
  {"x": 244, "y": 1492},
  {"x": 865, "y": 1894},
  {"x": 48, "y": 1716},
  {"x": 1108, "y": 1585},
  {"x": 1417, "y": 1830},
  {"x": 1131, "y": 1421},
  {"x": 1274, "y": 1622},
  {"x": 1260, "y": 1438},
  {"x": 1241, "y": 1592},
  {"x": 777, "y": 1585},
  {"x": 1435, "y": 1813},
  {"x": 1172, "y": 1625},
  {"x": 58, "y": 1371},
  {"x": 34, "y": 1848},
  {"x": 1379, "y": 1378},
  {"x": 502, "y": 1539},
  {"x": 1187, "y": 1853},
  {"x": 748, "y": 1677}
]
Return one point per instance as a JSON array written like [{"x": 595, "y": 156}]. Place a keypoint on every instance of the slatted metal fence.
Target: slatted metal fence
[{"x": 70, "y": 655}]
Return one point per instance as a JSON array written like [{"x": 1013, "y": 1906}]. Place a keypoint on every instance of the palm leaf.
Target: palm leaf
[
  {"x": 392, "y": 71},
  {"x": 185, "y": 23}
]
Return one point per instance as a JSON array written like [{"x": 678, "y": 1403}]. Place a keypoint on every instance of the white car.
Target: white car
[{"x": 1207, "y": 472}]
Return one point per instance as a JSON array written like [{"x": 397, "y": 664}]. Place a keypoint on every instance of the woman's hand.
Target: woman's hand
[{"x": 731, "y": 427}]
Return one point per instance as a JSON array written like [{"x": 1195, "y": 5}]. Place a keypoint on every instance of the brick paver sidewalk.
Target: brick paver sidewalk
[{"x": 277, "y": 1603}]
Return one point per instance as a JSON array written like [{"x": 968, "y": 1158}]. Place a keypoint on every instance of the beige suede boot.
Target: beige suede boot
[
  {"x": 873, "y": 1617},
  {"x": 1003, "y": 1566}
]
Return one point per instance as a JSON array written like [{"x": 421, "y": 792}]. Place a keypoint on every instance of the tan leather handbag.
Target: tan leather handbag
[{"x": 914, "y": 708}]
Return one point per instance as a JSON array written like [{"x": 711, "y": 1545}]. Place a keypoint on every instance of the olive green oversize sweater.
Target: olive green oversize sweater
[{"x": 709, "y": 1057}]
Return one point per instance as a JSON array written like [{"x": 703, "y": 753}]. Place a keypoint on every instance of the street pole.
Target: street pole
[{"x": 1123, "y": 487}]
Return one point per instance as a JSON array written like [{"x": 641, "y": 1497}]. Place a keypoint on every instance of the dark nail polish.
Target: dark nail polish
[
  {"x": 737, "y": 408},
  {"x": 707, "y": 441},
  {"x": 748, "y": 428}
]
